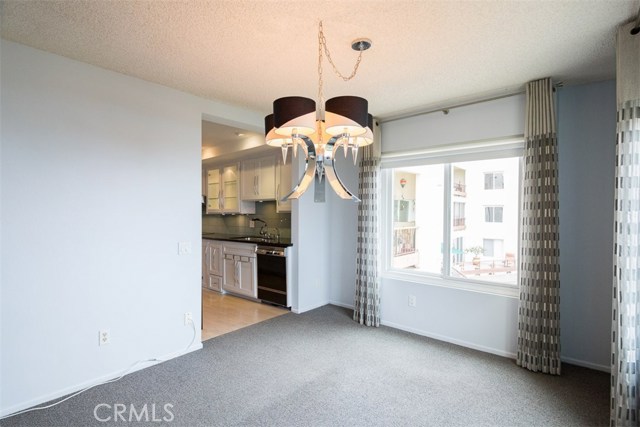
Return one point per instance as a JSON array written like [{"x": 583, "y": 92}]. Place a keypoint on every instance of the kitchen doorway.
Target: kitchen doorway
[{"x": 227, "y": 214}]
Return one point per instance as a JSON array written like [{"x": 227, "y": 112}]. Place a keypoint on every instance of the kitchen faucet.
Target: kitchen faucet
[
  {"x": 264, "y": 226},
  {"x": 264, "y": 230}
]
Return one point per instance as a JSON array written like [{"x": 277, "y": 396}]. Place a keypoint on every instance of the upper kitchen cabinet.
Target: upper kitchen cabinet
[
  {"x": 223, "y": 196},
  {"x": 283, "y": 185},
  {"x": 259, "y": 179}
]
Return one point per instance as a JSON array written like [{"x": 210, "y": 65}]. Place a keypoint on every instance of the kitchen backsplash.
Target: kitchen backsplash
[{"x": 239, "y": 224}]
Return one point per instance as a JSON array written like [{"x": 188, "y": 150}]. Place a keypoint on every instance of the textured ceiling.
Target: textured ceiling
[{"x": 425, "y": 53}]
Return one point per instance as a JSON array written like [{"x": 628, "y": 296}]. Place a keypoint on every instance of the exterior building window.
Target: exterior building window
[
  {"x": 446, "y": 225},
  {"x": 494, "y": 181},
  {"x": 458, "y": 216},
  {"x": 457, "y": 250},
  {"x": 493, "y": 213}
]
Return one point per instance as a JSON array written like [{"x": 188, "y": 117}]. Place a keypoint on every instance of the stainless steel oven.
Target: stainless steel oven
[{"x": 272, "y": 275}]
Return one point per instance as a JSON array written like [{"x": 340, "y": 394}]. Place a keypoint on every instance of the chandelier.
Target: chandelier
[{"x": 320, "y": 129}]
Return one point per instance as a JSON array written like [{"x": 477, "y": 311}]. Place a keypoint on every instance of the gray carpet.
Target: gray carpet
[{"x": 322, "y": 369}]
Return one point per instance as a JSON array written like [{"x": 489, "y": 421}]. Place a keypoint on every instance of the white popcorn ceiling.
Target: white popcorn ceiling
[{"x": 425, "y": 54}]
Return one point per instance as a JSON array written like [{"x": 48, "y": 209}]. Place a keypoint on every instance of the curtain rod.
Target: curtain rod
[{"x": 445, "y": 110}]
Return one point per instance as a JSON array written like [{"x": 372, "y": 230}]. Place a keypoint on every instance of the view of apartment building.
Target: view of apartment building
[{"x": 481, "y": 208}]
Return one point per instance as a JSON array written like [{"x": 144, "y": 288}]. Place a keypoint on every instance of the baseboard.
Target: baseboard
[
  {"x": 569, "y": 360},
  {"x": 308, "y": 308},
  {"x": 584, "y": 364},
  {"x": 341, "y": 304},
  {"x": 439, "y": 337},
  {"x": 5, "y": 412}
]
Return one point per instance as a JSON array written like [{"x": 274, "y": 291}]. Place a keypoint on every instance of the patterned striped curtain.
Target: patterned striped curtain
[
  {"x": 625, "y": 378},
  {"x": 539, "y": 308},
  {"x": 367, "y": 304}
]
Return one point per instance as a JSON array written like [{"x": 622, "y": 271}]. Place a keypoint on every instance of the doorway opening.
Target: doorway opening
[{"x": 238, "y": 206}]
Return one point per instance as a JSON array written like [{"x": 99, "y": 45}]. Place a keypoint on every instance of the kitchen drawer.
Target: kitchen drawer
[
  {"x": 214, "y": 283},
  {"x": 239, "y": 249}
]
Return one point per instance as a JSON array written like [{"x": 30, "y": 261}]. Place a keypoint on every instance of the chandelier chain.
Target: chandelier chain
[
  {"x": 323, "y": 43},
  {"x": 320, "y": 81},
  {"x": 322, "y": 47}
]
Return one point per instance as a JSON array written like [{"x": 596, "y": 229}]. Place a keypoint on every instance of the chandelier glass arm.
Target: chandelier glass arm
[
  {"x": 309, "y": 168},
  {"x": 329, "y": 162}
]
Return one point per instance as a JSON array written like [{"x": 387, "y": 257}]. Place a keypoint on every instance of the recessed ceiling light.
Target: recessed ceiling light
[{"x": 239, "y": 134}]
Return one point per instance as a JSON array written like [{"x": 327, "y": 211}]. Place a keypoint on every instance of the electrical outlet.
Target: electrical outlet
[
  {"x": 412, "y": 300},
  {"x": 188, "y": 318},
  {"x": 104, "y": 337},
  {"x": 252, "y": 224},
  {"x": 184, "y": 248}
]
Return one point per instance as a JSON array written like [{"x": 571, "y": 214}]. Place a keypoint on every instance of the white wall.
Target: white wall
[
  {"x": 310, "y": 243},
  {"x": 586, "y": 140},
  {"x": 324, "y": 237},
  {"x": 100, "y": 181},
  {"x": 342, "y": 228},
  {"x": 472, "y": 319}
]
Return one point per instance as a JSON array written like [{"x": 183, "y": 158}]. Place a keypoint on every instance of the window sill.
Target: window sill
[{"x": 510, "y": 291}]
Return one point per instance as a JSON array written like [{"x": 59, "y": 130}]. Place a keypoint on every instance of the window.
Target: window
[
  {"x": 465, "y": 237},
  {"x": 493, "y": 214},
  {"x": 458, "y": 215},
  {"x": 418, "y": 233},
  {"x": 494, "y": 180},
  {"x": 457, "y": 249}
]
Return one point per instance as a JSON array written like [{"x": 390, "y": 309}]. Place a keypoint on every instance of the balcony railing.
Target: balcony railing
[
  {"x": 404, "y": 241},
  {"x": 490, "y": 266},
  {"x": 459, "y": 224},
  {"x": 459, "y": 189}
]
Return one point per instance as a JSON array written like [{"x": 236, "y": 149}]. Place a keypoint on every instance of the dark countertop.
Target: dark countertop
[{"x": 283, "y": 243}]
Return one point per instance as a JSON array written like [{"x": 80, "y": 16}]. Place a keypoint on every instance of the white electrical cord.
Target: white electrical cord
[{"x": 113, "y": 380}]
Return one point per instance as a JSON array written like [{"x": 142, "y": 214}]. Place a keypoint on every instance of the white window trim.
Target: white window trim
[
  {"x": 452, "y": 153},
  {"x": 481, "y": 150}
]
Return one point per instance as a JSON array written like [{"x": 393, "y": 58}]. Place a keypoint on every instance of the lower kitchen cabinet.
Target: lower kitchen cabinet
[
  {"x": 212, "y": 267},
  {"x": 240, "y": 273},
  {"x": 229, "y": 267},
  {"x": 214, "y": 283}
]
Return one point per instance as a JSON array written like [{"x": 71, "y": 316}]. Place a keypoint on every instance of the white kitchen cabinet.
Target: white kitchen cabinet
[
  {"x": 283, "y": 185},
  {"x": 214, "y": 191},
  {"x": 215, "y": 258},
  {"x": 240, "y": 272},
  {"x": 212, "y": 266},
  {"x": 259, "y": 179},
  {"x": 223, "y": 191}
]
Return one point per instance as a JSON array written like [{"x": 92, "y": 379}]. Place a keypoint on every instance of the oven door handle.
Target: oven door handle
[{"x": 265, "y": 253}]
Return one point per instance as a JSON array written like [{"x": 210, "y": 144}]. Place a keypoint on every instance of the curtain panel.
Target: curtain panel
[
  {"x": 625, "y": 357},
  {"x": 539, "y": 307},
  {"x": 367, "y": 296}
]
